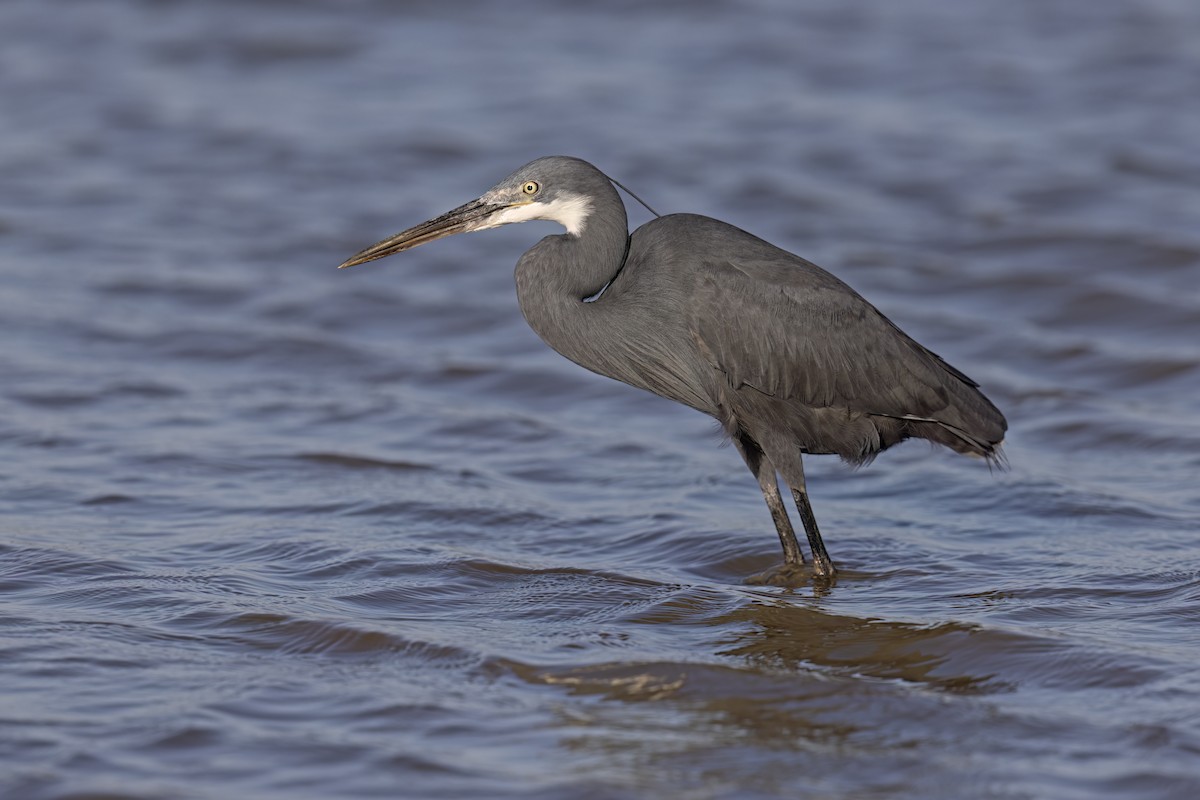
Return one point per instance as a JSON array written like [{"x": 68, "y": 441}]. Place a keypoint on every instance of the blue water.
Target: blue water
[{"x": 272, "y": 530}]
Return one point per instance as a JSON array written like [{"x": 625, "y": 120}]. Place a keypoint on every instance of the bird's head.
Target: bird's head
[{"x": 555, "y": 188}]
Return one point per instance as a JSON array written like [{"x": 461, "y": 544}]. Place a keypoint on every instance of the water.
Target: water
[{"x": 269, "y": 530}]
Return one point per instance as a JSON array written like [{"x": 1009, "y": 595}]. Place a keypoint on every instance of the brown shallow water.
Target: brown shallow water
[{"x": 270, "y": 530}]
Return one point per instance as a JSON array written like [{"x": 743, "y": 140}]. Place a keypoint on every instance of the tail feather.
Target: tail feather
[
  {"x": 956, "y": 438},
  {"x": 969, "y": 424}
]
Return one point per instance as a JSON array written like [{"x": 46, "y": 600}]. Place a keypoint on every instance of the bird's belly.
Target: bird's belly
[{"x": 778, "y": 423}]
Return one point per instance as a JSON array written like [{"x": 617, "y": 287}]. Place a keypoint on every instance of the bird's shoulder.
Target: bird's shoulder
[
  {"x": 720, "y": 254},
  {"x": 721, "y": 263}
]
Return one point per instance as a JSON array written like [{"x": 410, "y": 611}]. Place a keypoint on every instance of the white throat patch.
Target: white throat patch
[{"x": 569, "y": 210}]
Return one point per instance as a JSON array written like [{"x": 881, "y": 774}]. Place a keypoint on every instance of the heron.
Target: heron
[{"x": 787, "y": 358}]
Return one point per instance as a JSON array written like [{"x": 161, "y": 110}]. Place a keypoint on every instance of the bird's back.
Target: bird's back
[{"x": 778, "y": 343}]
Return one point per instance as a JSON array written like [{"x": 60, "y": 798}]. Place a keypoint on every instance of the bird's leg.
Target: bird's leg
[
  {"x": 764, "y": 472},
  {"x": 792, "y": 556},
  {"x": 822, "y": 563}
]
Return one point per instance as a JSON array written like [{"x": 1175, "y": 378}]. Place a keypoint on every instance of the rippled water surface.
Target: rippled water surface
[{"x": 271, "y": 530}]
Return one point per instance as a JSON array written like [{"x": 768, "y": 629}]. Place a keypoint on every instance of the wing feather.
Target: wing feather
[{"x": 789, "y": 329}]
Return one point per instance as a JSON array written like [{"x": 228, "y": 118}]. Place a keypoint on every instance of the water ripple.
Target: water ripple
[{"x": 270, "y": 529}]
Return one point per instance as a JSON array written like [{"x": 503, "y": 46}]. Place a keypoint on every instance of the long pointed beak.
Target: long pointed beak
[{"x": 468, "y": 217}]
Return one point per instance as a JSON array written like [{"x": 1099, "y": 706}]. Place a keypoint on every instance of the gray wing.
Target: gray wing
[{"x": 789, "y": 329}]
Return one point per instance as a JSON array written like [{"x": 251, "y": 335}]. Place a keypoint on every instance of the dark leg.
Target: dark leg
[
  {"x": 822, "y": 563},
  {"x": 764, "y": 472}
]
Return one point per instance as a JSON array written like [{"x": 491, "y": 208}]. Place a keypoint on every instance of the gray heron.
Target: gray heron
[{"x": 785, "y": 356}]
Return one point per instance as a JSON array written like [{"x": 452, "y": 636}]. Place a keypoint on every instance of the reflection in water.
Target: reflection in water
[{"x": 794, "y": 637}]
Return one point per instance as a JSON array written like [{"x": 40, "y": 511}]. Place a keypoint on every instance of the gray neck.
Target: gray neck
[{"x": 559, "y": 272}]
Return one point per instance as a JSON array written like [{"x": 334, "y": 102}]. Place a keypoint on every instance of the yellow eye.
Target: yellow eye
[{"x": 530, "y": 187}]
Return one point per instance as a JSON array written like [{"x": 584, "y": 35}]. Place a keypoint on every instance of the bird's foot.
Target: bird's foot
[
  {"x": 791, "y": 574},
  {"x": 782, "y": 575},
  {"x": 795, "y": 575}
]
